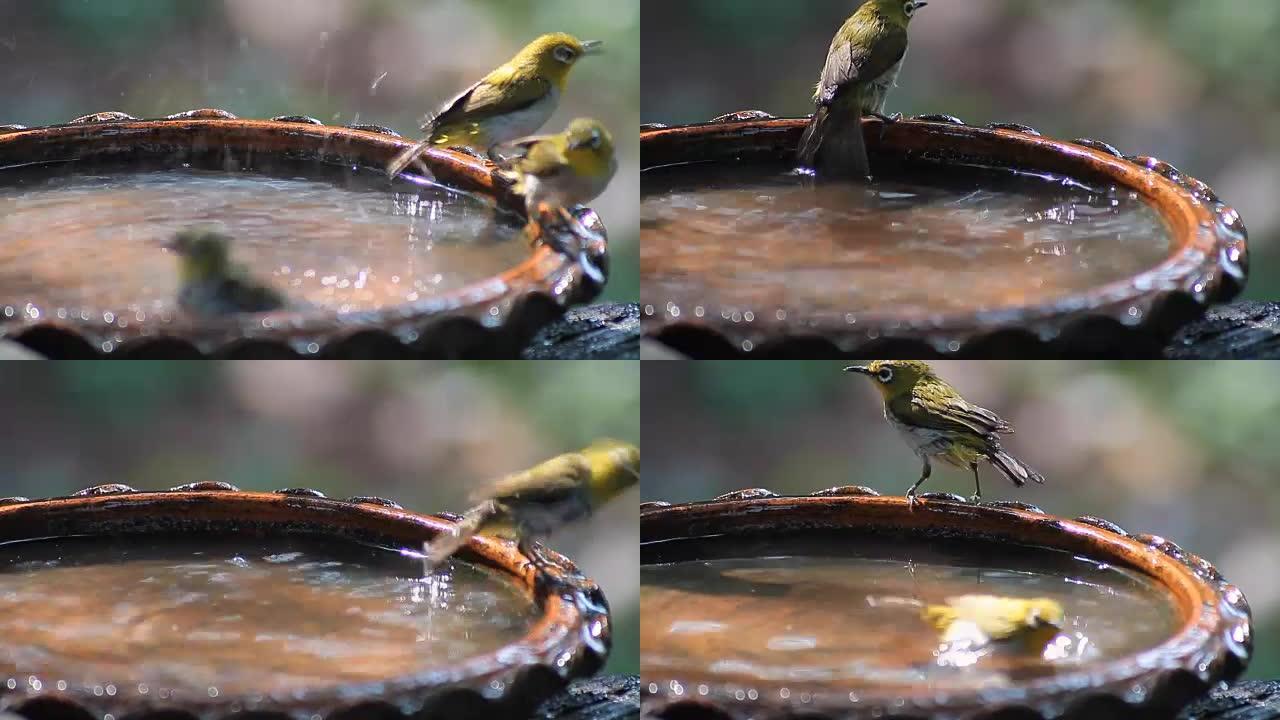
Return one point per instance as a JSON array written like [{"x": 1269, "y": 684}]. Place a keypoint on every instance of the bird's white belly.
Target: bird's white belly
[
  {"x": 924, "y": 441},
  {"x": 518, "y": 124},
  {"x": 880, "y": 88}
]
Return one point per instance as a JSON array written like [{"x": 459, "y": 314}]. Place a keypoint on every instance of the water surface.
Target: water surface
[
  {"x": 241, "y": 616},
  {"x": 812, "y": 613},
  {"x": 746, "y": 241},
  {"x": 90, "y": 243}
]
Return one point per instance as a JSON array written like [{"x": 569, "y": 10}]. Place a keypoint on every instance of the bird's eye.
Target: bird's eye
[
  {"x": 564, "y": 54},
  {"x": 594, "y": 142},
  {"x": 885, "y": 375}
]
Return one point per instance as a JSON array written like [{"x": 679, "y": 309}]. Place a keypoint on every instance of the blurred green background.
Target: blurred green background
[
  {"x": 422, "y": 434},
  {"x": 1188, "y": 451},
  {"x": 1192, "y": 82},
  {"x": 60, "y": 59}
]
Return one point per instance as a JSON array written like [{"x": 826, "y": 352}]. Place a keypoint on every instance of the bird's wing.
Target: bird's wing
[
  {"x": 854, "y": 56},
  {"x": 550, "y": 481},
  {"x": 493, "y": 96},
  {"x": 943, "y": 409},
  {"x": 998, "y": 617},
  {"x": 532, "y": 156},
  {"x": 248, "y": 296}
]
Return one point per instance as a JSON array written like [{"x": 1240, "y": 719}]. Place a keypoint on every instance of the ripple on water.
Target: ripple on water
[
  {"x": 736, "y": 239},
  {"x": 248, "y": 617},
  {"x": 91, "y": 242}
]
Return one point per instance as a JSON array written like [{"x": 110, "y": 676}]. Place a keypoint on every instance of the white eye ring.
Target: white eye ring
[
  {"x": 564, "y": 53},
  {"x": 885, "y": 375}
]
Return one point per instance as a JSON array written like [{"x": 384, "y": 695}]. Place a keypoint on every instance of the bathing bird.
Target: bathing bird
[
  {"x": 937, "y": 423},
  {"x": 531, "y": 504},
  {"x": 555, "y": 173},
  {"x": 514, "y": 100},
  {"x": 212, "y": 285},
  {"x": 862, "y": 66},
  {"x": 1024, "y": 624}
]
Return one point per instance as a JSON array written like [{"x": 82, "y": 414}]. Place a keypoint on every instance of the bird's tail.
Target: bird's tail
[
  {"x": 404, "y": 159},
  {"x": 444, "y": 546},
  {"x": 833, "y": 144},
  {"x": 1014, "y": 469}
]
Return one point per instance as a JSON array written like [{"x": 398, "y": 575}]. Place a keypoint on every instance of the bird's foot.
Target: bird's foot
[
  {"x": 465, "y": 150},
  {"x": 912, "y": 500},
  {"x": 976, "y": 498},
  {"x": 896, "y": 117}
]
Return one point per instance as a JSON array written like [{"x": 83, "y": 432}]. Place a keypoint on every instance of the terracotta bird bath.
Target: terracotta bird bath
[
  {"x": 207, "y": 602},
  {"x": 971, "y": 242},
  {"x": 435, "y": 265},
  {"x": 760, "y": 606}
]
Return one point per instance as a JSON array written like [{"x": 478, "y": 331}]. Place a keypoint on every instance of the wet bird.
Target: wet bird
[
  {"x": 862, "y": 66},
  {"x": 531, "y": 504},
  {"x": 514, "y": 100},
  {"x": 1023, "y": 624},
  {"x": 937, "y": 423},
  {"x": 212, "y": 285},
  {"x": 556, "y": 173}
]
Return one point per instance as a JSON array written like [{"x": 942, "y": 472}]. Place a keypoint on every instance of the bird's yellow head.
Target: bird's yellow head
[
  {"x": 894, "y": 377},
  {"x": 553, "y": 56},
  {"x": 588, "y": 146},
  {"x": 204, "y": 254},
  {"x": 897, "y": 10},
  {"x": 615, "y": 466}
]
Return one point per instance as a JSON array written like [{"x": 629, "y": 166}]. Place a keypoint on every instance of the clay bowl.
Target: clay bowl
[
  {"x": 759, "y": 606},
  {"x": 320, "y": 646},
  {"x": 694, "y": 304},
  {"x": 482, "y": 315}
]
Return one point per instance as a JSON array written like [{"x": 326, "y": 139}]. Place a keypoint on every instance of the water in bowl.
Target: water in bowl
[
  {"x": 181, "y": 618},
  {"x": 731, "y": 240},
  {"x": 816, "y": 612},
  {"x": 90, "y": 244}
]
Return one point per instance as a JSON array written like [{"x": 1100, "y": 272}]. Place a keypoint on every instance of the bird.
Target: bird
[
  {"x": 211, "y": 284},
  {"x": 1024, "y": 624},
  {"x": 862, "y": 66},
  {"x": 515, "y": 100},
  {"x": 531, "y": 504},
  {"x": 938, "y": 423},
  {"x": 555, "y": 173}
]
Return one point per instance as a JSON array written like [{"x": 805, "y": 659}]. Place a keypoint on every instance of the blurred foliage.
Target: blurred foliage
[
  {"x": 1192, "y": 82},
  {"x": 423, "y": 434},
  {"x": 60, "y": 59},
  {"x": 1187, "y": 451}
]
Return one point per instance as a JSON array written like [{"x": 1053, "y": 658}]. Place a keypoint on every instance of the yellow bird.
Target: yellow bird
[
  {"x": 531, "y": 504},
  {"x": 1024, "y": 624},
  {"x": 515, "y": 100},
  {"x": 213, "y": 285},
  {"x": 556, "y": 173}
]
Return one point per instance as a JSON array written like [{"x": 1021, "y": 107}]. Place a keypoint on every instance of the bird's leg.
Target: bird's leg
[
  {"x": 533, "y": 230},
  {"x": 924, "y": 475},
  {"x": 578, "y": 228},
  {"x": 533, "y": 551},
  {"x": 977, "y": 485}
]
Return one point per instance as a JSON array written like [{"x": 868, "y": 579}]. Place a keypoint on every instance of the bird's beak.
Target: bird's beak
[
  {"x": 920, "y": 3},
  {"x": 860, "y": 369},
  {"x": 592, "y": 47},
  {"x": 171, "y": 244}
]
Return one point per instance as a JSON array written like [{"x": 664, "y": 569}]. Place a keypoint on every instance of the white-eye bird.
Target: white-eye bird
[{"x": 514, "y": 100}]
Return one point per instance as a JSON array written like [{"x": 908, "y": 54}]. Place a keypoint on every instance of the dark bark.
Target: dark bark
[
  {"x": 1246, "y": 330},
  {"x": 596, "y": 332},
  {"x": 607, "y": 697}
]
